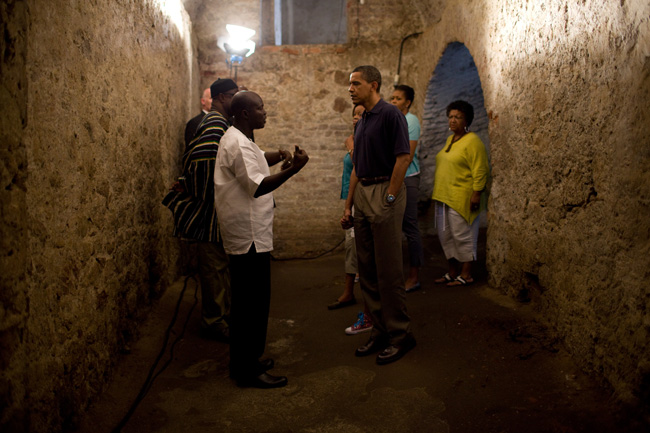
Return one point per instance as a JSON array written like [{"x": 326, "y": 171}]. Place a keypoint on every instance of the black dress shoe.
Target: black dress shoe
[
  {"x": 263, "y": 365},
  {"x": 373, "y": 345},
  {"x": 394, "y": 352},
  {"x": 264, "y": 381},
  {"x": 266, "y": 364}
]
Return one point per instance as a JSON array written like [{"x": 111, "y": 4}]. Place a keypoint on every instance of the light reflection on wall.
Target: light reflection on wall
[{"x": 175, "y": 11}]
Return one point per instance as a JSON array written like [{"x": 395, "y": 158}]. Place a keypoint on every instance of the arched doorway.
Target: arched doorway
[{"x": 455, "y": 77}]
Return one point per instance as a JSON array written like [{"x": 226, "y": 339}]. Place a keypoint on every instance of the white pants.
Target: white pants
[{"x": 458, "y": 238}]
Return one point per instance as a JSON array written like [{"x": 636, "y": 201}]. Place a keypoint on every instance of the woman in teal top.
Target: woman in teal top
[
  {"x": 402, "y": 98},
  {"x": 461, "y": 175}
]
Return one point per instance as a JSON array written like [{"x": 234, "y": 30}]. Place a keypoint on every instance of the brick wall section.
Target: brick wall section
[{"x": 304, "y": 88}]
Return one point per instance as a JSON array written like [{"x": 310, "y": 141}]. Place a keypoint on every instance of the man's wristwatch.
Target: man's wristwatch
[{"x": 390, "y": 198}]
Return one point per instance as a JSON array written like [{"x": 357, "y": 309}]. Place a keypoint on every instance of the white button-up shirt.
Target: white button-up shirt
[{"x": 243, "y": 219}]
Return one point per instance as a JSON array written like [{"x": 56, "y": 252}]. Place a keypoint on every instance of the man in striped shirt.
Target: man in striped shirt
[{"x": 192, "y": 204}]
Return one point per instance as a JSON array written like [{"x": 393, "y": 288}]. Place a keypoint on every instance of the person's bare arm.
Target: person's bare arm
[
  {"x": 272, "y": 182},
  {"x": 414, "y": 145},
  {"x": 346, "y": 221},
  {"x": 401, "y": 165},
  {"x": 273, "y": 158}
]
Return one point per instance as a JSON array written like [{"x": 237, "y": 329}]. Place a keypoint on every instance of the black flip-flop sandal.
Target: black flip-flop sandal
[{"x": 461, "y": 280}]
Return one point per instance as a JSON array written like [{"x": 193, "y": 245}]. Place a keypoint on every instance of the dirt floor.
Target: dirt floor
[{"x": 482, "y": 364}]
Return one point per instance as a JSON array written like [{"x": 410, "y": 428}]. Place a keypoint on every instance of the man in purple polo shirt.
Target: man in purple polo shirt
[{"x": 381, "y": 157}]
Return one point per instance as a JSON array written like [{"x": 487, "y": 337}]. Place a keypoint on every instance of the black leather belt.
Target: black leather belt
[{"x": 365, "y": 181}]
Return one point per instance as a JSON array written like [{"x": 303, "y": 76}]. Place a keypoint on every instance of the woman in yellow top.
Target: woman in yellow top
[{"x": 461, "y": 174}]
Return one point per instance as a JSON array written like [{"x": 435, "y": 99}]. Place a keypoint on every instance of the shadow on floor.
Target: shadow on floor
[{"x": 482, "y": 364}]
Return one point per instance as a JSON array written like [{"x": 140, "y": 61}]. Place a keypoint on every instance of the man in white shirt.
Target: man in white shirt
[{"x": 243, "y": 186}]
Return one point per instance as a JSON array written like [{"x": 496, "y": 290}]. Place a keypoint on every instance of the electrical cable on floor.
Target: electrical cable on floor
[
  {"x": 151, "y": 376},
  {"x": 309, "y": 258}
]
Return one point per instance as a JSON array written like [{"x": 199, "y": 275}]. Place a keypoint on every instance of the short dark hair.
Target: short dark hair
[
  {"x": 408, "y": 91},
  {"x": 464, "y": 107},
  {"x": 354, "y": 107},
  {"x": 370, "y": 74}
]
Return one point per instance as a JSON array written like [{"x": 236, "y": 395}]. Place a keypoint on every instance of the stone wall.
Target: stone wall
[
  {"x": 14, "y": 255},
  {"x": 97, "y": 97},
  {"x": 565, "y": 87}
]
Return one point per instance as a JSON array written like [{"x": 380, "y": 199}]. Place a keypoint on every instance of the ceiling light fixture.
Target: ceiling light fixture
[{"x": 237, "y": 45}]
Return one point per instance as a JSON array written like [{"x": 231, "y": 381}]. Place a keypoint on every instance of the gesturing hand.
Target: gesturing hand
[
  {"x": 287, "y": 157},
  {"x": 300, "y": 158},
  {"x": 347, "y": 222}
]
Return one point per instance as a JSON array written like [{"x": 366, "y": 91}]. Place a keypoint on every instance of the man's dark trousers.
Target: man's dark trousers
[{"x": 250, "y": 285}]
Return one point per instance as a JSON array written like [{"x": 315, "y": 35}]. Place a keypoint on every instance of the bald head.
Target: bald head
[
  {"x": 206, "y": 100},
  {"x": 248, "y": 110},
  {"x": 242, "y": 101}
]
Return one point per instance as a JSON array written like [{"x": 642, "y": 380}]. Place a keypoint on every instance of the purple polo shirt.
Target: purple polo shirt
[{"x": 380, "y": 135}]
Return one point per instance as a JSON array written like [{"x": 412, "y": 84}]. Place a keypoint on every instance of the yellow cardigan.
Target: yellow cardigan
[{"x": 460, "y": 172}]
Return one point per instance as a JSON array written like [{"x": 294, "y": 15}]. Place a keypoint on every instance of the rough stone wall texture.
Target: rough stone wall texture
[
  {"x": 14, "y": 256},
  {"x": 96, "y": 96},
  {"x": 565, "y": 87}
]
